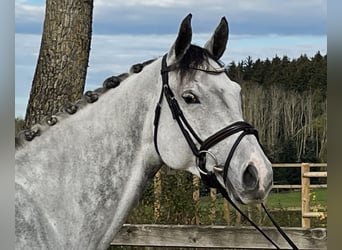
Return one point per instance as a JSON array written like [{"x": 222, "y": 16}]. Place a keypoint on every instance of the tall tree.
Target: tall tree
[
  {"x": 248, "y": 68},
  {"x": 63, "y": 58}
]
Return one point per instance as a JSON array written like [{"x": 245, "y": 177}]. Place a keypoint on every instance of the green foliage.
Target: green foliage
[
  {"x": 299, "y": 75},
  {"x": 178, "y": 207},
  {"x": 19, "y": 124},
  {"x": 176, "y": 199}
]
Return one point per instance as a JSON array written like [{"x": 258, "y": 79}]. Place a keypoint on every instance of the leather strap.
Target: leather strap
[{"x": 209, "y": 178}]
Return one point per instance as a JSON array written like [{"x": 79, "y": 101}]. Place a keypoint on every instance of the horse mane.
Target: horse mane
[
  {"x": 194, "y": 57},
  {"x": 71, "y": 108}
]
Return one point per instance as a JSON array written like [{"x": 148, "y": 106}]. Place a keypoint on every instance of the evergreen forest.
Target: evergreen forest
[{"x": 286, "y": 100}]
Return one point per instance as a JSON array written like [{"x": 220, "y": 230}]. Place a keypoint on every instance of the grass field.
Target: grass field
[{"x": 292, "y": 199}]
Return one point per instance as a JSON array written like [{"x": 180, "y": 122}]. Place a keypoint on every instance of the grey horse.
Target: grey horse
[{"x": 76, "y": 181}]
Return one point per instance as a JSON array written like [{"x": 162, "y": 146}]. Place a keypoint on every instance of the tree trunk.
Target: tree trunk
[{"x": 63, "y": 58}]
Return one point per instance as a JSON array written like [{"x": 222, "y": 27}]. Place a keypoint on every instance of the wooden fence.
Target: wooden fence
[
  {"x": 210, "y": 237},
  {"x": 305, "y": 187},
  {"x": 237, "y": 237}
]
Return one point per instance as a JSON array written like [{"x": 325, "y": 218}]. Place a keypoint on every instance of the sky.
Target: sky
[{"x": 131, "y": 31}]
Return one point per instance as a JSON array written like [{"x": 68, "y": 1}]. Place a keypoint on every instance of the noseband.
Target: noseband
[
  {"x": 189, "y": 134},
  {"x": 201, "y": 152}
]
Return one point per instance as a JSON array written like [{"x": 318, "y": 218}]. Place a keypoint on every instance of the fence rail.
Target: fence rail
[
  {"x": 216, "y": 237},
  {"x": 313, "y": 186}
]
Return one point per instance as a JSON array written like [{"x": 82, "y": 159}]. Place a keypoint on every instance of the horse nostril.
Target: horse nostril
[{"x": 250, "y": 177}]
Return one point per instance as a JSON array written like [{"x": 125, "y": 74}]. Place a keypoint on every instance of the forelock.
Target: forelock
[{"x": 194, "y": 57}]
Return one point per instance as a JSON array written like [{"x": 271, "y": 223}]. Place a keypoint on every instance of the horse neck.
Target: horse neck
[
  {"x": 122, "y": 116},
  {"x": 103, "y": 152}
]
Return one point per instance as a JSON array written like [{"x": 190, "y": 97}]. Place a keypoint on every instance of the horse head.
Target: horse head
[{"x": 199, "y": 123}]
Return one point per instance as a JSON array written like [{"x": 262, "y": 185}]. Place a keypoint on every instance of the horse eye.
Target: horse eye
[{"x": 190, "y": 98}]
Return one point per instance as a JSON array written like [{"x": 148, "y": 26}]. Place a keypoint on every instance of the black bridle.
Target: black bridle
[
  {"x": 201, "y": 152},
  {"x": 189, "y": 133}
]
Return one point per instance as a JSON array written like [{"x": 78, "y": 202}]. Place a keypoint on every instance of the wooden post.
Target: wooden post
[
  {"x": 249, "y": 211},
  {"x": 157, "y": 189},
  {"x": 195, "y": 197},
  {"x": 226, "y": 213},
  {"x": 258, "y": 207},
  {"x": 212, "y": 214},
  {"x": 238, "y": 217},
  {"x": 305, "y": 194}
]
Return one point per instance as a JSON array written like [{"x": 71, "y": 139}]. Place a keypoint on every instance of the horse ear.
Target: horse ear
[
  {"x": 218, "y": 42},
  {"x": 182, "y": 42}
]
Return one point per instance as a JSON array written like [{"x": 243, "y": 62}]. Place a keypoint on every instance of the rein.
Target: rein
[{"x": 201, "y": 152}]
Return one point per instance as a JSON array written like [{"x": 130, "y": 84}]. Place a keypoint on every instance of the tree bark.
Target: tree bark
[{"x": 63, "y": 58}]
